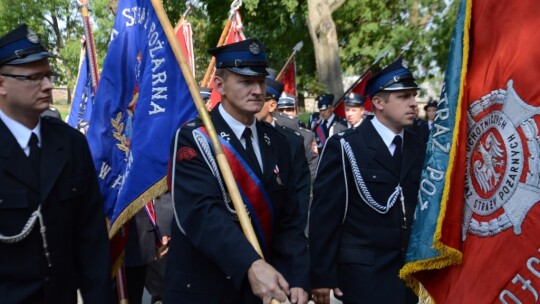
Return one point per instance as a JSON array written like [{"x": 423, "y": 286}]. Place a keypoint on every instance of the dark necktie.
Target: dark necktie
[
  {"x": 398, "y": 151},
  {"x": 251, "y": 152},
  {"x": 35, "y": 152},
  {"x": 325, "y": 126}
]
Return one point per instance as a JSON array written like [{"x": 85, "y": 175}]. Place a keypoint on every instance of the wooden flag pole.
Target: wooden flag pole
[
  {"x": 404, "y": 48},
  {"x": 90, "y": 48},
  {"x": 234, "y": 6},
  {"x": 184, "y": 15},
  {"x": 224, "y": 167},
  {"x": 296, "y": 49}
]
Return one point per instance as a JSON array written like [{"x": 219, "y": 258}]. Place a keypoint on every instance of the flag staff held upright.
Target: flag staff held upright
[
  {"x": 224, "y": 167},
  {"x": 364, "y": 74},
  {"x": 234, "y": 7},
  {"x": 90, "y": 47},
  {"x": 296, "y": 49}
]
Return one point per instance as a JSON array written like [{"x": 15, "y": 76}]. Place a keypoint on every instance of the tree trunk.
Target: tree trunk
[{"x": 322, "y": 30}]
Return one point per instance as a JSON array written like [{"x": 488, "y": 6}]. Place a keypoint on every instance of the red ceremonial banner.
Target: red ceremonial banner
[
  {"x": 289, "y": 79},
  {"x": 360, "y": 89},
  {"x": 492, "y": 215},
  {"x": 236, "y": 34}
]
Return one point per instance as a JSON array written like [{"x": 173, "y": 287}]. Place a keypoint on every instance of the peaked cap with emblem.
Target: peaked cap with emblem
[
  {"x": 431, "y": 103},
  {"x": 324, "y": 101},
  {"x": 354, "y": 100},
  {"x": 394, "y": 77},
  {"x": 286, "y": 102},
  {"x": 274, "y": 88},
  {"x": 205, "y": 92},
  {"x": 21, "y": 46},
  {"x": 245, "y": 57}
]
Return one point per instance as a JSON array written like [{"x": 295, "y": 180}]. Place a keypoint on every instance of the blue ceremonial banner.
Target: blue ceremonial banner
[
  {"x": 430, "y": 247},
  {"x": 83, "y": 98},
  {"x": 142, "y": 98}
]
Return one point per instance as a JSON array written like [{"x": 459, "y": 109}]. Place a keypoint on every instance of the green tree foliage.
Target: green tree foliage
[
  {"x": 59, "y": 25},
  {"x": 368, "y": 27},
  {"x": 365, "y": 29}
]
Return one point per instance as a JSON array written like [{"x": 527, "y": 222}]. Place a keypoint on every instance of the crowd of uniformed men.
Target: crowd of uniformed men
[{"x": 332, "y": 206}]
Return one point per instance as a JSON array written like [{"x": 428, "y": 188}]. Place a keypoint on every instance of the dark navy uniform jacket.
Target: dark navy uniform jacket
[
  {"x": 326, "y": 128},
  {"x": 72, "y": 209},
  {"x": 301, "y": 171},
  {"x": 209, "y": 255},
  {"x": 353, "y": 246}
]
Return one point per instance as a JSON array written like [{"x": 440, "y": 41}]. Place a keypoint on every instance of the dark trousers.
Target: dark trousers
[{"x": 150, "y": 276}]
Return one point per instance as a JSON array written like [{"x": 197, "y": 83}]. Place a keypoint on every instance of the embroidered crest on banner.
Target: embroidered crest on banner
[{"x": 502, "y": 181}]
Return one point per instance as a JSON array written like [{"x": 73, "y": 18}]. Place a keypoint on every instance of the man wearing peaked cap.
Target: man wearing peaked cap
[
  {"x": 354, "y": 112},
  {"x": 210, "y": 260},
  {"x": 431, "y": 110},
  {"x": 53, "y": 237},
  {"x": 387, "y": 159},
  {"x": 296, "y": 144},
  {"x": 286, "y": 104},
  {"x": 394, "y": 77},
  {"x": 286, "y": 116},
  {"x": 247, "y": 57},
  {"x": 327, "y": 119},
  {"x": 273, "y": 89},
  {"x": 205, "y": 94}
]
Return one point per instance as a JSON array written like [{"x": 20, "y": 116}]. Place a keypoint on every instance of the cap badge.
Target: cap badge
[
  {"x": 32, "y": 37},
  {"x": 254, "y": 48}
]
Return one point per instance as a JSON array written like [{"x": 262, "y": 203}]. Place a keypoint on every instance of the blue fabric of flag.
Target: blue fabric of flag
[
  {"x": 425, "y": 251},
  {"x": 142, "y": 98},
  {"x": 83, "y": 97}
]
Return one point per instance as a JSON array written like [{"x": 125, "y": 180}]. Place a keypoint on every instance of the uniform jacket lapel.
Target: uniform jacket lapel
[
  {"x": 411, "y": 152},
  {"x": 56, "y": 155},
  {"x": 224, "y": 131},
  {"x": 375, "y": 143},
  {"x": 15, "y": 162},
  {"x": 268, "y": 160}
]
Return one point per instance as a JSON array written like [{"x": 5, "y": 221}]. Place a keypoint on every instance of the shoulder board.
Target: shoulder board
[
  {"x": 192, "y": 124},
  {"x": 54, "y": 120},
  {"x": 268, "y": 128},
  {"x": 289, "y": 130},
  {"x": 347, "y": 132}
]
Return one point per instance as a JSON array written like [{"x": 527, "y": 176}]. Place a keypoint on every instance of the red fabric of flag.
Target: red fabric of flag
[
  {"x": 236, "y": 34},
  {"x": 493, "y": 214},
  {"x": 184, "y": 33},
  {"x": 288, "y": 78},
  {"x": 359, "y": 88}
]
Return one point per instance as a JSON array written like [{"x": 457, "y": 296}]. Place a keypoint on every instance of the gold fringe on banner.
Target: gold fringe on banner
[{"x": 154, "y": 191}]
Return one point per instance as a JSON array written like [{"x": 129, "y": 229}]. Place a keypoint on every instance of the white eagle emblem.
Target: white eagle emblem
[{"x": 484, "y": 169}]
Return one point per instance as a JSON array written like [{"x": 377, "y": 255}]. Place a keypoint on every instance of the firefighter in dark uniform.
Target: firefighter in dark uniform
[
  {"x": 289, "y": 121},
  {"x": 53, "y": 236},
  {"x": 364, "y": 199},
  {"x": 296, "y": 144},
  {"x": 205, "y": 94},
  {"x": 327, "y": 119},
  {"x": 354, "y": 113},
  {"x": 210, "y": 259}
]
